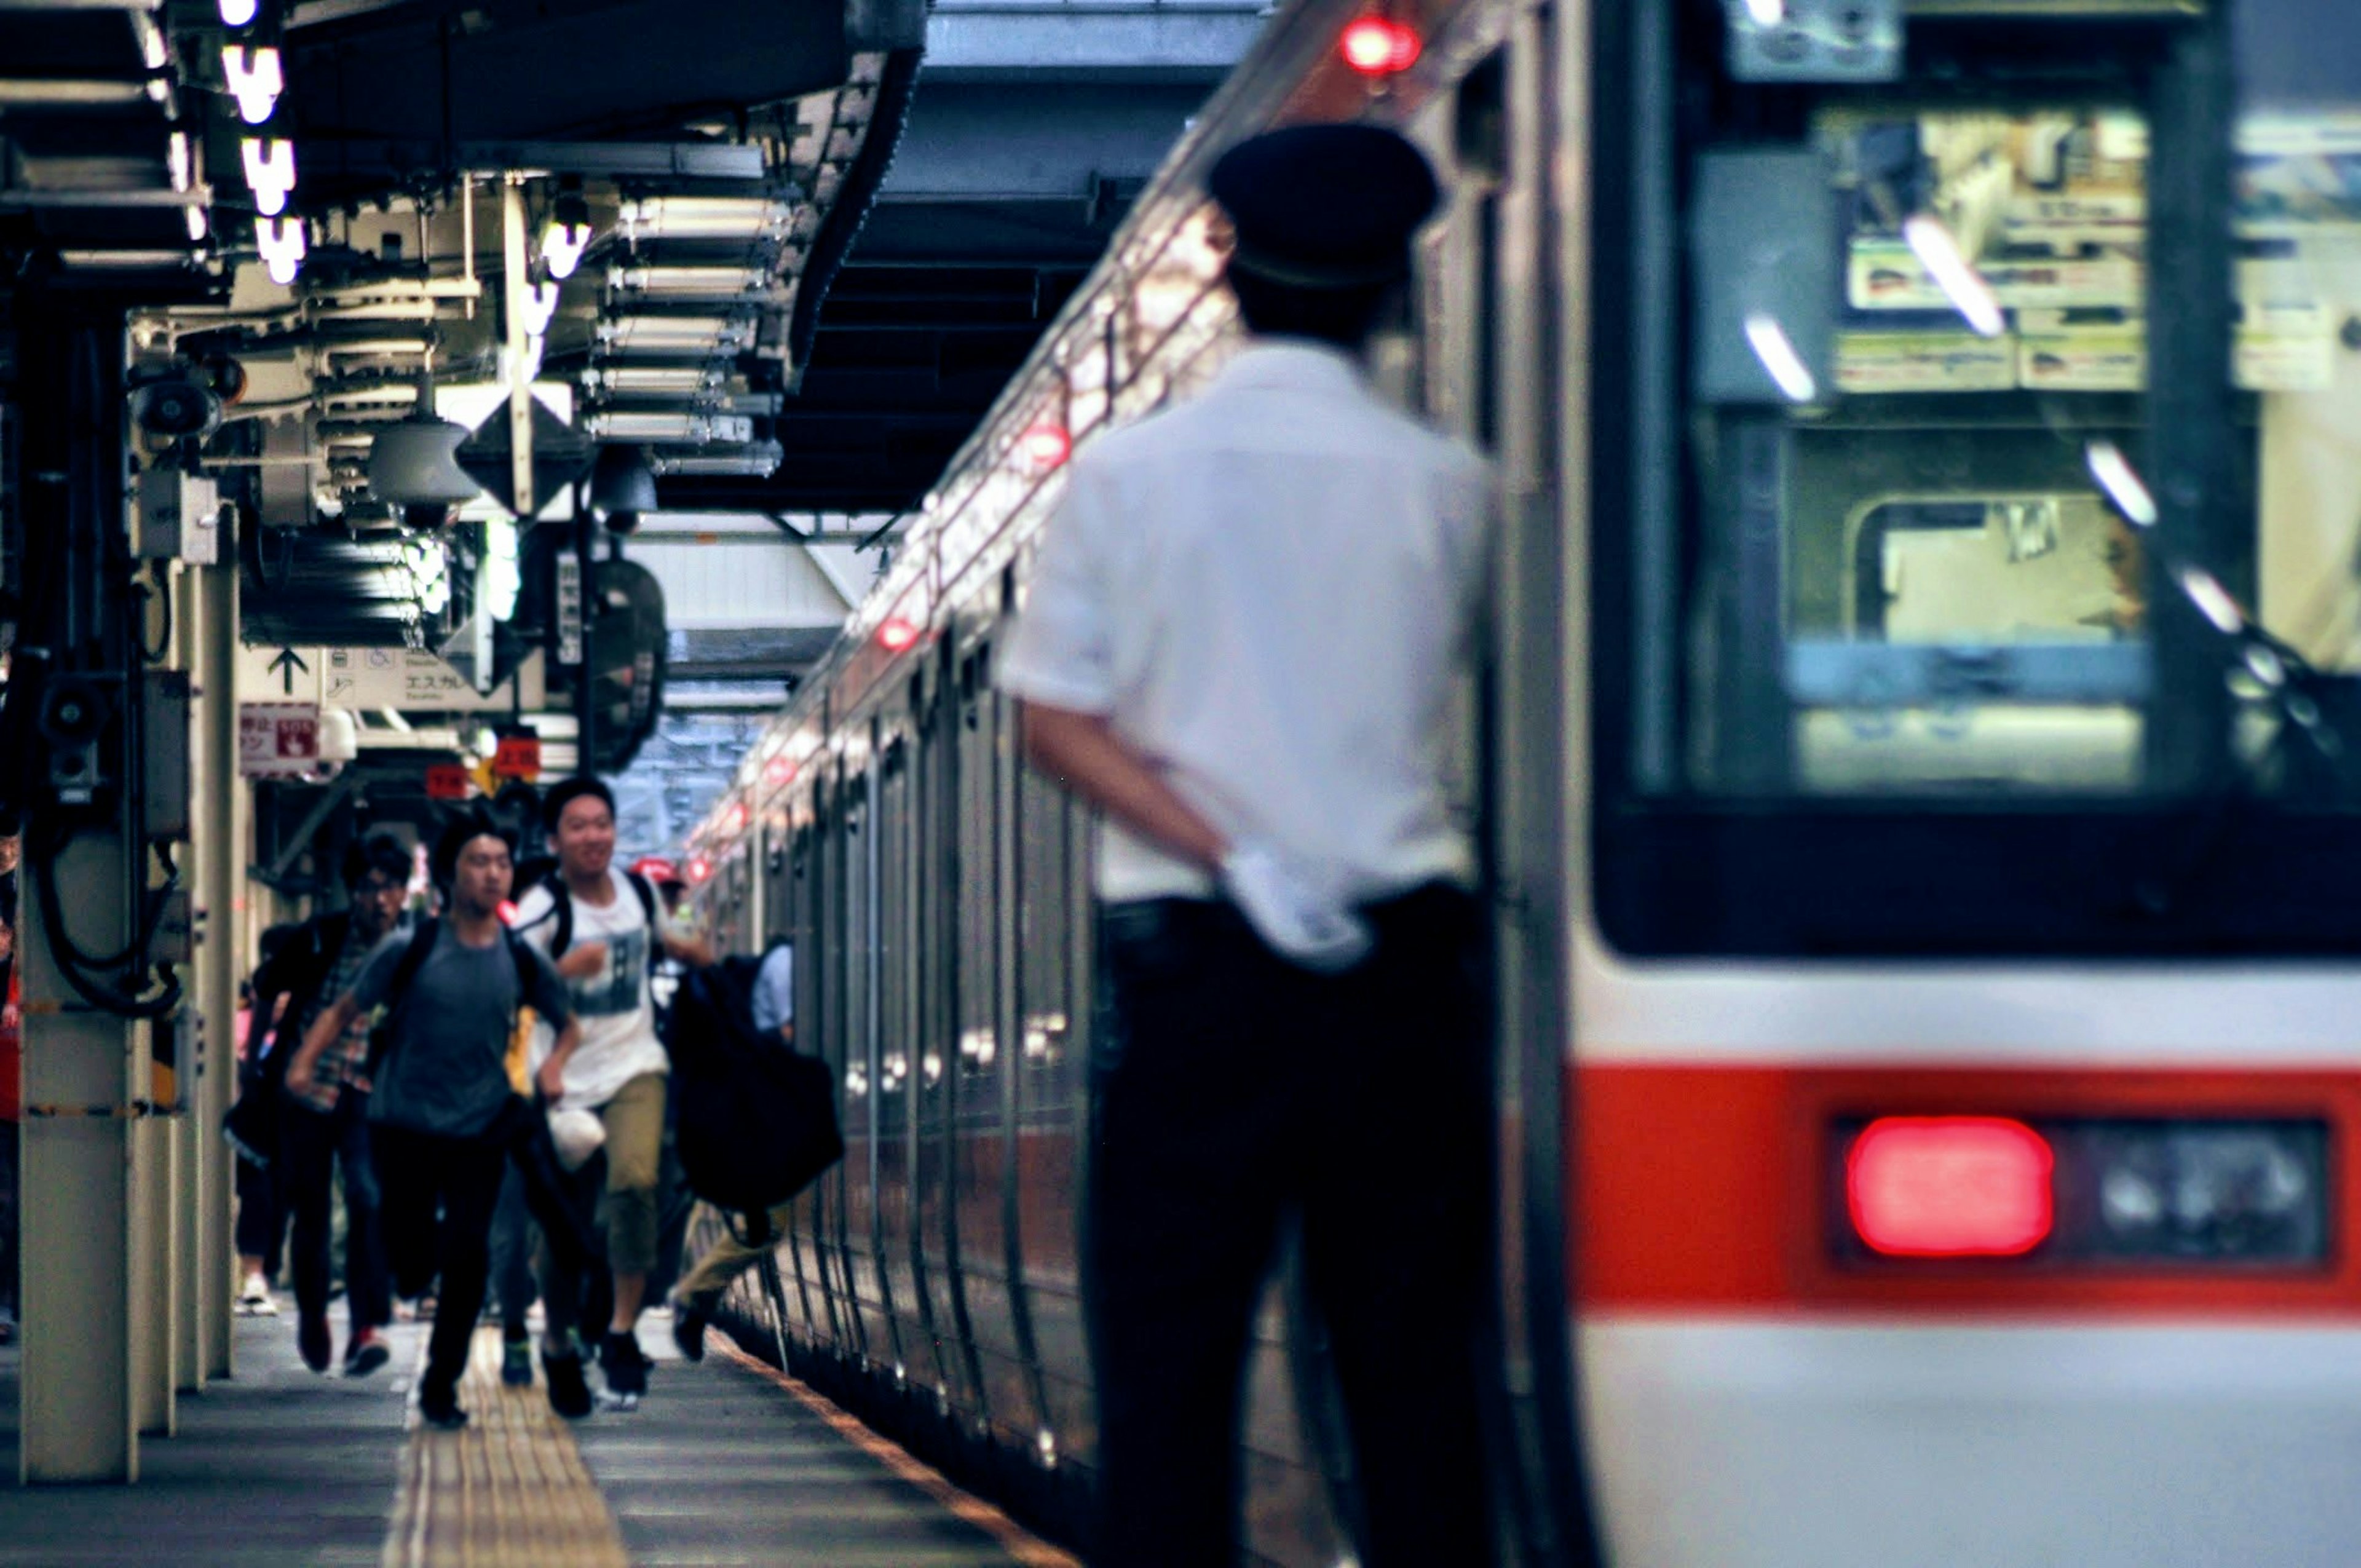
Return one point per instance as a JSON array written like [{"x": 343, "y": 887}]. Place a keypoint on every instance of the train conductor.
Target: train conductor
[{"x": 1241, "y": 641}]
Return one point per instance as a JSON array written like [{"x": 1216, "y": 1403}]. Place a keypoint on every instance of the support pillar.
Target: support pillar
[
  {"x": 221, "y": 830},
  {"x": 151, "y": 1243},
  {"x": 79, "y": 1418}
]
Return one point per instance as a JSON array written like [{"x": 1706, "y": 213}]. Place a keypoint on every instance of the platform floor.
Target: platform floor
[{"x": 724, "y": 1463}]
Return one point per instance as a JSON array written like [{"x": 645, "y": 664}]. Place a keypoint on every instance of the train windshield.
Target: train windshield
[
  {"x": 1939, "y": 494},
  {"x": 2002, "y": 451}
]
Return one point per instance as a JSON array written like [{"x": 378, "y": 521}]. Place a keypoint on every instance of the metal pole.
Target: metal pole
[
  {"x": 586, "y": 708},
  {"x": 78, "y": 1416},
  {"x": 187, "y": 1155},
  {"x": 222, "y": 802}
]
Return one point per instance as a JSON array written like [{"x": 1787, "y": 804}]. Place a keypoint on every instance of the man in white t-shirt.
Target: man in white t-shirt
[{"x": 598, "y": 925}]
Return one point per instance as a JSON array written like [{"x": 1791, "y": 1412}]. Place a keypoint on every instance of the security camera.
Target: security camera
[{"x": 175, "y": 401}]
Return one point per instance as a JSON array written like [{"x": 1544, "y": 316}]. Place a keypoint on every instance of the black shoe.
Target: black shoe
[
  {"x": 626, "y": 1365},
  {"x": 569, "y": 1393},
  {"x": 688, "y": 1331},
  {"x": 366, "y": 1353},
  {"x": 439, "y": 1408},
  {"x": 516, "y": 1363},
  {"x": 312, "y": 1341}
]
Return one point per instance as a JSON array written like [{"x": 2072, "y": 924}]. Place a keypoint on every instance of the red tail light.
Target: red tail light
[
  {"x": 1949, "y": 1187},
  {"x": 1375, "y": 46}
]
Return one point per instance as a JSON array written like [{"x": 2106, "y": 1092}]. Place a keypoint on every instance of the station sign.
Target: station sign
[
  {"x": 404, "y": 679},
  {"x": 278, "y": 740}
]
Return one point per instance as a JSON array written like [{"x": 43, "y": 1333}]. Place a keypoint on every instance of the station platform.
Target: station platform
[{"x": 726, "y": 1462}]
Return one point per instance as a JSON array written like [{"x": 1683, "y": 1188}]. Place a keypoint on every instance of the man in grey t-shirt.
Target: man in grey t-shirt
[{"x": 443, "y": 1110}]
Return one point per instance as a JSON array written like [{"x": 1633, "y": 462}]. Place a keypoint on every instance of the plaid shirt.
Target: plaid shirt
[{"x": 341, "y": 1063}]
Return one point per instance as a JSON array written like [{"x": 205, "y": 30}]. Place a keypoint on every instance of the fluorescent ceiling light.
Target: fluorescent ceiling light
[
  {"x": 692, "y": 429},
  {"x": 705, "y": 217},
  {"x": 255, "y": 79},
  {"x": 195, "y": 217},
  {"x": 562, "y": 245},
  {"x": 282, "y": 243},
  {"x": 177, "y": 159},
  {"x": 677, "y": 380},
  {"x": 675, "y": 334},
  {"x": 271, "y": 171},
  {"x": 239, "y": 12},
  {"x": 707, "y": 282}
]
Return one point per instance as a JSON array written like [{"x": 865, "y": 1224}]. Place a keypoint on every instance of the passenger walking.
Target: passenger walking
[
  {"x": 700, "y": 1291},
  {"x": 322, "y": 1128},
  {"x": 264, "y": 1049},
  {"x": 1242, "y": 641},
  {"x": 600, "y": 927},
  {"x": 442, "y": 1117}
]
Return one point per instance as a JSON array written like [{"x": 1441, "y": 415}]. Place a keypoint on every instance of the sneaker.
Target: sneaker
[
  {"x": 688, "y": 1331},
  {"x": 626, "y": 1365},
  {"x": 254, "y": 1301},
  {"x": 365, "y": 1354},
  {"x": 516, "y": 1363},
  {"x": 439, "y": 1408},
  {"x": 569, "y": 1392},
  {"x": 311, "y": 1340}
]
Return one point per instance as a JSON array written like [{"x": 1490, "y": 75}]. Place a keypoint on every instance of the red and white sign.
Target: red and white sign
[
  {"x": 518, "y": 758},
  {"x": 278, "y": 740},
  {"x": 447, "y": 781}
]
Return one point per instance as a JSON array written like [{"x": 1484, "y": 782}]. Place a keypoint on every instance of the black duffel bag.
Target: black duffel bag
[{"x": 755, "y": 1120}]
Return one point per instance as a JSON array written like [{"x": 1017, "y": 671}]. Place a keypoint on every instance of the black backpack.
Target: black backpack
[{"x": 756, "y": 1120}]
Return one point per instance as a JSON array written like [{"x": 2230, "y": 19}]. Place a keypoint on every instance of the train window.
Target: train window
[{"x": 1973, "y": 464}]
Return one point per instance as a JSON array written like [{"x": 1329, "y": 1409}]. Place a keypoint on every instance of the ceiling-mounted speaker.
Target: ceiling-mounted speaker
[
  {"x": 622, "y": 487},
  {"x": 414, "y": 462}
]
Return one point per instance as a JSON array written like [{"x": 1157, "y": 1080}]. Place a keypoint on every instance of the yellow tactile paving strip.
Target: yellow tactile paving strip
[{"x": 508, "y": 1491}]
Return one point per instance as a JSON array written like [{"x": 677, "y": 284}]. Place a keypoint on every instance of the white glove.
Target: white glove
[{"x": 1305, "y": 923}]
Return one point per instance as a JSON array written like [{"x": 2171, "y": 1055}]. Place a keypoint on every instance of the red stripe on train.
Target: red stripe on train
[{"x": 1708, "y": 1189}]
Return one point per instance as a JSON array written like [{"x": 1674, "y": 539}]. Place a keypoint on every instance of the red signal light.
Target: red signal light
[
  {"x": 507, "y": 912},
  {"x": 1378, "y": 46},
  {"x": 896, "y": 634},
  {"x": 699, "y": 868},
  {"x": 737, "y": 817},
  {"x": 1949, "y": 1187},
  {"x": 778, "y": 771},
  {"x": 1045, "y": 447}
]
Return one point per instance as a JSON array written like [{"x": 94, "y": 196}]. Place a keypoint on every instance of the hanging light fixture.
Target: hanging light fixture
[
  {"x": 567, "y": 236},
  {"x": 414, "y": 463},
  {"x": 255, "y": 78}
]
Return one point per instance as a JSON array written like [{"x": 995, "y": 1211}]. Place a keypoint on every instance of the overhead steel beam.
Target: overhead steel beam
[{"x": 612, "y": 160}]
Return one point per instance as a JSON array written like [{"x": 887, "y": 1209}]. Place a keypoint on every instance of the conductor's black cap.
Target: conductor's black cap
[{"x": 1324, "y": 207}]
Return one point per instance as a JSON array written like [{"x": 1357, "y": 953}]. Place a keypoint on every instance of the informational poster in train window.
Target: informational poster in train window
[{"x": 2295, "y": 174}]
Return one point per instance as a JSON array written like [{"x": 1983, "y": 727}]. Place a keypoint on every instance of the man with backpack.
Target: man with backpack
[
  {"x": 700, "y": 1291},
  {"x": 601, "y": 928},
  {"x": 442, "y": 1116},
  {"x": 327, "y": 1126}
]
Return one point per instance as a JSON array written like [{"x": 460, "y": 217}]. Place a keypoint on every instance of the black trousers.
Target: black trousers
[
  {"x": 1231, "y": 1089},
  {"x": 312, "y": 1145},
  {"x": 420, "y": 1177}
]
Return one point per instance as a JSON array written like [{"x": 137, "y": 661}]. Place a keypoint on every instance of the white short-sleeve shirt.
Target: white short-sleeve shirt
[
  {"x": 619, "y": 1018},
  {"x": 1269, "y": 591}
]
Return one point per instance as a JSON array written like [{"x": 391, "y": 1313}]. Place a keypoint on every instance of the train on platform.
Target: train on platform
[{"x": 1909, "y": 752}]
